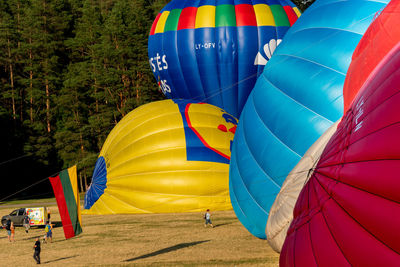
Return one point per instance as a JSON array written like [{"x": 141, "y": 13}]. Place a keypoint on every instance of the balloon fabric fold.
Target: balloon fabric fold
[
  {"x": 348, "y": 213},
  {"x": 281, "y": 212},
  {"x": 296, "y": 99},
  {"x": 378, "y": 40}
]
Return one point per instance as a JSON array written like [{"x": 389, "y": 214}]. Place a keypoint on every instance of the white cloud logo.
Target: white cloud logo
[{"x": 269, "y": 49}]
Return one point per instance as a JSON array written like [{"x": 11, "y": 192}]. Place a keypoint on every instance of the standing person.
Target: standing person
[
  {"x": 36, "y": 254},
  {"x": 207, "y": 217},
  {"x": 27, "y": 223},
  {"x": 8, "y": 228},
  {"x": 12, "y": 229},
  {"x": 49, "y": 232}
]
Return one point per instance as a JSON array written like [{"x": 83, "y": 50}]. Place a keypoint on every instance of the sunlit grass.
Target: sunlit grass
[{"x": 178, "y": 239}]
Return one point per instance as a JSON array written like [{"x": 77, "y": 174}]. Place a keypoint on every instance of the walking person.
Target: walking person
[
  {"x": 36, "y": 254},
  {"x": 207, "y": 218},
  {"x": 8, "y": 228},
  {"x": 27, "y": 223},
  {"x": 49, "y": 232}
]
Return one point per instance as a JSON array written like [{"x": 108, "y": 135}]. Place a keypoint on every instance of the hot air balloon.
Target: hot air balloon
[
  {"x": 281, "y": 213},
  {"x": 213, "y": 51},
  {"x": 166, "y": 156},
  {"x": 348, "y": 213},
  {"x": 369, "y": 52},
  {"x": 296, "y": 99}
]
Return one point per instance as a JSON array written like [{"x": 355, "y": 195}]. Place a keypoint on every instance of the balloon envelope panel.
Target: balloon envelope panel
[
  {"x": 213, "y": 51},
  {"x": 296, "y": 99},
  {"x": 166, "y": 156},
  {"x": 380, "y": 38},
  {"x": 348, "y": 212},
  {"x": 281, "y": 212}
]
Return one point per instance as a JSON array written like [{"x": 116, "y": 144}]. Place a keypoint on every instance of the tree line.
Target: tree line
[{"x": 69, "y": 70}]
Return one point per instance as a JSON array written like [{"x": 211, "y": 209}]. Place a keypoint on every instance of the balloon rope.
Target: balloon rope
[
  {"x": 20, "y": 157},
  {"x": 38, "y": 182}
]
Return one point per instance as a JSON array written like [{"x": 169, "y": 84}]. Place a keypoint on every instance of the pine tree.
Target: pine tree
[
  {"x": 77, "y": 126},
  {"x": 43, "y": 32},
  {"x": 69, "y": 71},
  {"x": 8, "y": 45}
]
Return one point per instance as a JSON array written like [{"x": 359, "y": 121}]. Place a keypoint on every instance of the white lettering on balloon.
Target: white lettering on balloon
[
  {"x": 158, "y": 63},
  {"x": 358, "y": 126},
  {"x": 204, "y": 46},
  {"x": 164, "y": 86},
  {"x": 359, "y": 112}
]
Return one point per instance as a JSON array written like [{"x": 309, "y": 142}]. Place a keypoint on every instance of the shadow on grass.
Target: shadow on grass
[
  {"x": 169, "y": 249},
  {"x": 41, "y": 238},
  {"x": 60, "y": 259},
  {"x": 62, "y": 240},
  {"x": 33, "y": 237},
  {"x": 222, "y": 224},
  {"x": 56, "y": 224}
]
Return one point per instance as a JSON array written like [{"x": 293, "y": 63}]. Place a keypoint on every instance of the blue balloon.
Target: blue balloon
[
  {"x": 296, "y": 98},
  {"x": 213, "y": 50}
]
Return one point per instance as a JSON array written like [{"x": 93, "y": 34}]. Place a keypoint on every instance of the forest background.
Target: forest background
[{"x": 69, "y": 71}]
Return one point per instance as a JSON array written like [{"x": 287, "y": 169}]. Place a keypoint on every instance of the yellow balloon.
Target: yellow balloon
[{"x": 166, "y": 156}]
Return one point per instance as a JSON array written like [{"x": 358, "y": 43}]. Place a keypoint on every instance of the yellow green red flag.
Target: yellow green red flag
[{"x": 65, "y": 187}]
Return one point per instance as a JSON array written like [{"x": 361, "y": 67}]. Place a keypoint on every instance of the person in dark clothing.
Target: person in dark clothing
[
  {"x": 8, "y": 228},
  {"x": 36, "y": 254}
]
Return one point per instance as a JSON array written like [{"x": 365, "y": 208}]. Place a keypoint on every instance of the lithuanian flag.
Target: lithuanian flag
[{"x": 65, "y": 187}]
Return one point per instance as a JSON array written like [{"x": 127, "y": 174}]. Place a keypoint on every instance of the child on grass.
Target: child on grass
[
  {"x": 207, "y": 218},
  {"x": 49, "y": 232}
]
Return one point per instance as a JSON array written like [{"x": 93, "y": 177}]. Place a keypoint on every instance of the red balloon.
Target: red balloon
[
  {"x": 348, "y": 213},
  {"x": 382, "y": 35}
]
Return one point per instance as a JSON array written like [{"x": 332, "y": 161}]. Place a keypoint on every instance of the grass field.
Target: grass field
[{"x": 142, "y": 240}]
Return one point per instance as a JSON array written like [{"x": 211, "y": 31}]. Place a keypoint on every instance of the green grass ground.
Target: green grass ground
[{"x": 141, "y": 240}]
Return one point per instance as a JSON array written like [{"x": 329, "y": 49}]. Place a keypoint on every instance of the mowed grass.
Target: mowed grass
[{"x": 178, "y": 239}]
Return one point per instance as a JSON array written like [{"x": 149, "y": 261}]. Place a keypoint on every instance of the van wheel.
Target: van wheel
[{"x": 3, "y": 222}]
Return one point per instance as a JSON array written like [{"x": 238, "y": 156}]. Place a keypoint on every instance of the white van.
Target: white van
[{"x": 37, "y": 216}]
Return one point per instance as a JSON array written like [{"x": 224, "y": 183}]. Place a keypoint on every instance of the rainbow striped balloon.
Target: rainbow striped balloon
[{"x": 213, "y": 51}]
